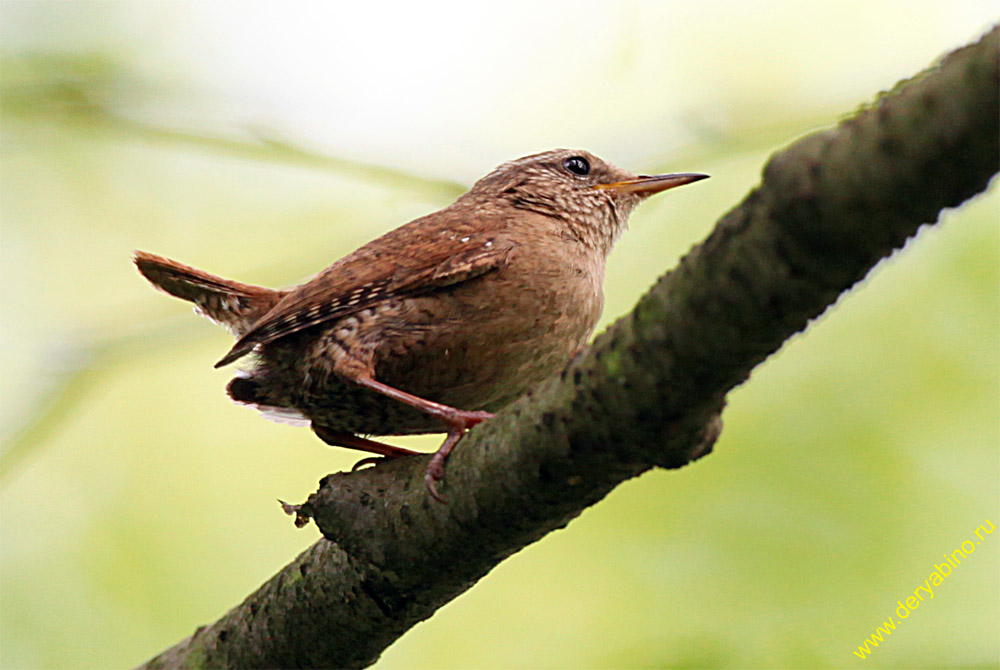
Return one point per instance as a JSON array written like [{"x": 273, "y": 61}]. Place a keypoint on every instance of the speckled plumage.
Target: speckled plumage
[{"x": 467, "y": 307}]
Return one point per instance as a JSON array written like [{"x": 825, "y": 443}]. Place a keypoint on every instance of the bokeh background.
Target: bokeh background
[{"x": 263, "y": 140}]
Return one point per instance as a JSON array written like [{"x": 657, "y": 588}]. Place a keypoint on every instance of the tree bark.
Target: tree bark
[{"x": 647, "y": 393}]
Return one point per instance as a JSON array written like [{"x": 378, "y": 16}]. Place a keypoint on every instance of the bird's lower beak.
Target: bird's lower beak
[{"x": 648, "y": 185}]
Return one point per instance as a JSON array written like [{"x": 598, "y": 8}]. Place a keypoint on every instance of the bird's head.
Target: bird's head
[{"x": 593, "y": 197}]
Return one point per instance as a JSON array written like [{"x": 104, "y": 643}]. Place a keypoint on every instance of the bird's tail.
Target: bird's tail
[{"x": 229, "y": 303}]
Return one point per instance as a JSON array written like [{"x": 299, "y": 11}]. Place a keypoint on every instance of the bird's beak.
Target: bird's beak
[{"x": 648, "y": 185}]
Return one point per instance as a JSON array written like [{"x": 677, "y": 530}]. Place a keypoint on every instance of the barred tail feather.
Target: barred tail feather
[{"x": 231, "y": 304}]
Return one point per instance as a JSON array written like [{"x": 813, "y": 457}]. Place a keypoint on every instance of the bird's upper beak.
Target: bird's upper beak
[{"x": 648, "y": 185}]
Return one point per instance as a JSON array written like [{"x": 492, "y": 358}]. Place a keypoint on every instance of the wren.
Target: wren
[{"x": 437, "y": 324}]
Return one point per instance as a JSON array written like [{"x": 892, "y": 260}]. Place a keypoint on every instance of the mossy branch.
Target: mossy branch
[{"x": 647, "y": 393}]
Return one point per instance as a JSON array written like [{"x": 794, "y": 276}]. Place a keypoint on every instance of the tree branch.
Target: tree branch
[{"x": 647, "y": 393}]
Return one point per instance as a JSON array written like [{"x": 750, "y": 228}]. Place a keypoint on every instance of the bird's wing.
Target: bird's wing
[{"x": 410, "y": 260}]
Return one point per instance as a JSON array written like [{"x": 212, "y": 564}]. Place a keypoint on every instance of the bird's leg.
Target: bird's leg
[
  {"x": 351, "y": 441},
  {"x": 450, "y": 415},
  {"x": 435, "y": 469},
  {"x": 457, "y": 421}
]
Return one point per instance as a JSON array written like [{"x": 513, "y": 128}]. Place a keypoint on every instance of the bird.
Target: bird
[{"x": 436, "y": 325}]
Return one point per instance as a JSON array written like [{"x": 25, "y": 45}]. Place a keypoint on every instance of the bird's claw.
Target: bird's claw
[
  {"x": 371, "y": 460},
  {"x": 430, "y": 480}
]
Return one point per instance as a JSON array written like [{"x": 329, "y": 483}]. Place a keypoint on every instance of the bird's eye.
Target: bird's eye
[{"x": 578, "y": 165}]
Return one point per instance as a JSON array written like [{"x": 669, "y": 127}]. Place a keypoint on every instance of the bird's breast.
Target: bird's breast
[{"x": 482, "y": 343}]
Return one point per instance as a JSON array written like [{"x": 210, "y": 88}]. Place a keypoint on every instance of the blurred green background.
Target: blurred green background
[{"x": 262, "y": 141}]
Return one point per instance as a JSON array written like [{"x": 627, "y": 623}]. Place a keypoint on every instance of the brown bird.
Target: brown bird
[{"x": 466, "y": 308}]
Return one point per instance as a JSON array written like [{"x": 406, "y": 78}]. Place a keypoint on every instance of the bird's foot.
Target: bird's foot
[
  {"x": 458, "y": 423},
  {"x": 463, "y": 420}
]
